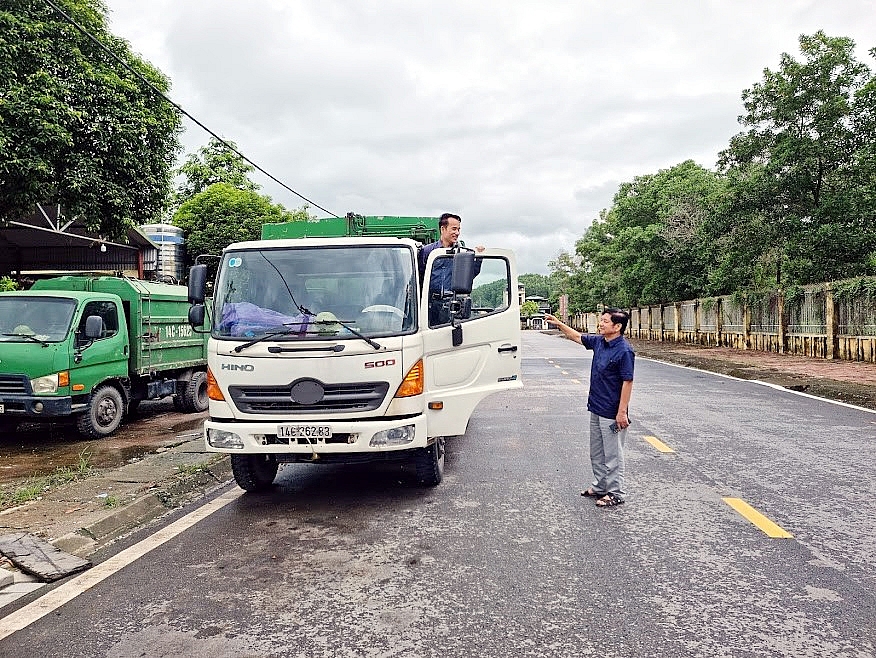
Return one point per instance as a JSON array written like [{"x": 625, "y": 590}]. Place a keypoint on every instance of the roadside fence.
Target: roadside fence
[{"x": 835, "y": 320}]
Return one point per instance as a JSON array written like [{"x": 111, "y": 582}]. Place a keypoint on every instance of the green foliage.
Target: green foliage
[
  {"x": 537, "y": 285},
  {"x": 7, "y": 284},
  {"x": 222, "y": 214},
  {"x": 793, "y": 200},
  {"x": 528, "y": 309},
  {"x": 803, "y": 172},
  {"x": 859, "y": 287},
  {"x": 76, "y": 127},
  {"x": 489, "y": 295},
  {"x": 214, "y": 163}
]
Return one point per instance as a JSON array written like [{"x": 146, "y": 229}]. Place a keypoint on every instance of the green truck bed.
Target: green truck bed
[
  {"x": 421, "y": 229},
  {"x": 158, "y": 328}
]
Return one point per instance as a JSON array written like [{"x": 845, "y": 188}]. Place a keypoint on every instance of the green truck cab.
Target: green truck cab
[{"x": 92, "y": 348}]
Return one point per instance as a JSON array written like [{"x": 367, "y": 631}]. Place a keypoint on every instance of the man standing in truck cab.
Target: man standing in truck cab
[{"x": 449, "y": 226}]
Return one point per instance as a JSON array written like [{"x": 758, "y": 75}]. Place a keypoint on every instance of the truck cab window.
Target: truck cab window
[
  {"x": 490, "y": 291},
  {"x": 107, "y": 311}
]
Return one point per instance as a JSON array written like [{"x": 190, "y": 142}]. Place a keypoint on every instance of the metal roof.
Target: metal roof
[{"x": 48, "y": 241}]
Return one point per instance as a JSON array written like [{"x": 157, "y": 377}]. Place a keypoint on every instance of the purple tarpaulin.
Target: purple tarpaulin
[{"x": 246, "y": 319}]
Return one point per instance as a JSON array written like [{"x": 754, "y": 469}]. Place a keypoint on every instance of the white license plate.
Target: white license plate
[
  {"x": 304, "y": 432},
  {"x": 2, "y": 409}
]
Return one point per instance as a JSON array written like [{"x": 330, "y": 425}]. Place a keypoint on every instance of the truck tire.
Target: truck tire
[
  {"x": 429, "y": 462},
  {"x": 104, "y": 414},
  {"x": 254, "y": 472},
  {"x": 194, "y": 398}
]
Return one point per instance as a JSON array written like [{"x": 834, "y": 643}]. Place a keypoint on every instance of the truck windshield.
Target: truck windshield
[
  {"x": 310, "y": 293},
  {"x": 45, "y": 319}
]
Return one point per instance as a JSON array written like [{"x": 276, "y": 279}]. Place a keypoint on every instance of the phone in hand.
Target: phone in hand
[{"x": 614, "y": 427}]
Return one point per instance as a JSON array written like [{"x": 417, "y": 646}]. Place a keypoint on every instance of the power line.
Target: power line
[{"x": 155, "y": 89}]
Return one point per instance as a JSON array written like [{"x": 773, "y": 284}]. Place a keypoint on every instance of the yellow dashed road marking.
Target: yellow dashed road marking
[
  {"x": 758, "y": 519},
  {"x": 657, "y": 443},
  {"x": 576, "y": 381}
]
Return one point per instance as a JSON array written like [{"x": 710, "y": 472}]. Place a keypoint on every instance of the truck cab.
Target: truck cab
[
  {"x": 322, "y": 350},
  {"x": 91, "y": 348}
]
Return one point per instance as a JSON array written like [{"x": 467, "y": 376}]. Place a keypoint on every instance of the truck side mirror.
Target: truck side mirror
[
  {"x": 197, "y": 284},
  {"x": 463, "y": 272},
  {"x": 196, "y": 316},
  {"x": 93, "y": 327}
]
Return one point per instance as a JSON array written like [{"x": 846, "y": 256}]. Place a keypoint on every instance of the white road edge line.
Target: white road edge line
[
  {"x": 70, "y": 590},
  {"x": 757, "y": 381}
]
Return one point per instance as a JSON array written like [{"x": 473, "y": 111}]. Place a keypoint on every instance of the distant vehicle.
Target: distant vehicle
[
  {"x": 92, "y": 348},
  {"x": 321, "y": 349}
]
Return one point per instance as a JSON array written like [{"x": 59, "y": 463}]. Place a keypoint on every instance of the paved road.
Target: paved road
[{"x": 506, "y": 559}]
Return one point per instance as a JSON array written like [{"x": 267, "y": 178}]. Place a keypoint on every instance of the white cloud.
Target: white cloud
[{"x": 523, "y": 116}]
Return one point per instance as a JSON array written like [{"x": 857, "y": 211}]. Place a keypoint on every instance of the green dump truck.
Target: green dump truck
[{"x": 92, "y": 348}]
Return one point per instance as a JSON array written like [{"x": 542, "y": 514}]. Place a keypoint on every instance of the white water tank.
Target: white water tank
[{"x": 171, "y": 254}]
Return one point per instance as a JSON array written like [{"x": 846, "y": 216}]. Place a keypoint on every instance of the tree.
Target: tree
[
  {"x": 649, "y": 246},
  {"x": 76, "y": 127},
  {"x": 214, "y": 163},
  {"x": 798, "y": 170},
  {"x": 222, "y": 214},
  {"x": 528, "y": 309},
  {"x": 536, "y": 285}
]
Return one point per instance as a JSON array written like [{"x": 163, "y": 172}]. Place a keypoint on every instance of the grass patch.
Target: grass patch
[{"x": 36, "y": 486}]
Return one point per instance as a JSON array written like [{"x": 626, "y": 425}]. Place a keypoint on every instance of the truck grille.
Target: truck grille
[
  {"x": 364, "y": 396},
  {"x": 12, "y": 384}
]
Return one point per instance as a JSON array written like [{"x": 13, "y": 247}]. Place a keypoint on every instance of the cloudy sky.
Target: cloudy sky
[{"x": 523, "y": 116}]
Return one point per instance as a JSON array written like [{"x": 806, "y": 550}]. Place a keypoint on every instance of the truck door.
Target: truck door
[
  {"x": 488, "y": 359},
  {"x": 107, "y": 355}
]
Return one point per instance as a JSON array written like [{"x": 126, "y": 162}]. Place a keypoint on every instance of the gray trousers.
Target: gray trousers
[{"x": 607, "y": 456}]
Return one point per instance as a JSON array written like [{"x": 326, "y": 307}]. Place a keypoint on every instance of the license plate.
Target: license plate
[
  {"x": 2, "y": 409},
  {"x": 304, "y": 432}
]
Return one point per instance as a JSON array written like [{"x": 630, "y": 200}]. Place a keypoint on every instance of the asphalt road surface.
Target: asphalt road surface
[{"x": 505, "y": 558}]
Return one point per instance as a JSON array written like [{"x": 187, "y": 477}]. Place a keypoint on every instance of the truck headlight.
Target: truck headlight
[
  {"x": 224, "y": 439},
  {"x": 45, "y": 385},
  {"x": 397, "y": 436}
]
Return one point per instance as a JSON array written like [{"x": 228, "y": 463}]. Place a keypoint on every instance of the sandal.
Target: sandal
[
  {"x": 590, "y": 493},
  {"x": 610, "y": 500}
]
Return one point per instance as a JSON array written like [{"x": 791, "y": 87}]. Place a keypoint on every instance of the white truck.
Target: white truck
[{"x": 321, "y": 348}]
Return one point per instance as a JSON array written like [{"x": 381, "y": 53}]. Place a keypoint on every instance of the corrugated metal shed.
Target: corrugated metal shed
[{"x": 48, "y": 241}]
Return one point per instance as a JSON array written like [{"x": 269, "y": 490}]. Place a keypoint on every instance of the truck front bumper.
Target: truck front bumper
[
  {"x": 34, "y": 407},
  {"x": 357, "y": 437}
]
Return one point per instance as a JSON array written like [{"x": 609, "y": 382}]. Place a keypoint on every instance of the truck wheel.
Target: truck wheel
[
  {"x": 254, "y": 472},
  {"x": 194, "y": 398},
  {"x": 104, "y": 414},
  {"x": 429, "y": 462}
]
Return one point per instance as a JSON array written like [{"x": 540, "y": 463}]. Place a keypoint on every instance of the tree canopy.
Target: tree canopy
[
  {"x": 76, "y": 127},
  {"x": 213, "y": 163},
  {"x": 792, "y": 201},
  {"x": 223, "y": 214}
]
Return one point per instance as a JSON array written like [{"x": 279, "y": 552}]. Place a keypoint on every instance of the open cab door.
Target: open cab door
[{"x": 472, "y": 337}]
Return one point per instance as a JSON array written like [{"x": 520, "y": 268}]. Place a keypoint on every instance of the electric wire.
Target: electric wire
[{"x": 155, "y": 89}]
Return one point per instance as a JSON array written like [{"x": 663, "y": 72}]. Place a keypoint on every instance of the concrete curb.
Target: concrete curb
[
  {"x": 83, "y": 516},
  {"x": 171, "y": 494}
]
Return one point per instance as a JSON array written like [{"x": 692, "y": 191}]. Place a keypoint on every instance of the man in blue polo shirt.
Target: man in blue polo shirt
[
  {"x": 611, "y": 385},
  {"x": 438, "y": 289}
]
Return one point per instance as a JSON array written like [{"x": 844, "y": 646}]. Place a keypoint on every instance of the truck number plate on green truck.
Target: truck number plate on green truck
[{"x": 304, "y": 432}]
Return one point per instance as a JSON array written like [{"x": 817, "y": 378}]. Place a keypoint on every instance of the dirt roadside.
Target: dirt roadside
[{"x": 156, "y": 462}]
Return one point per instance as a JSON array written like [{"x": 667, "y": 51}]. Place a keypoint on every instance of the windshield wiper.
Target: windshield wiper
[
  {"x": 29, "y": 337},
  {"x": 355, "y": 332},
  {"x": 270, "y": 334}
]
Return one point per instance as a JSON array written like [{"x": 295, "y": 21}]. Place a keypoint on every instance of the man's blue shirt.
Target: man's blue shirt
[{"x": 613, "y": 364}]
